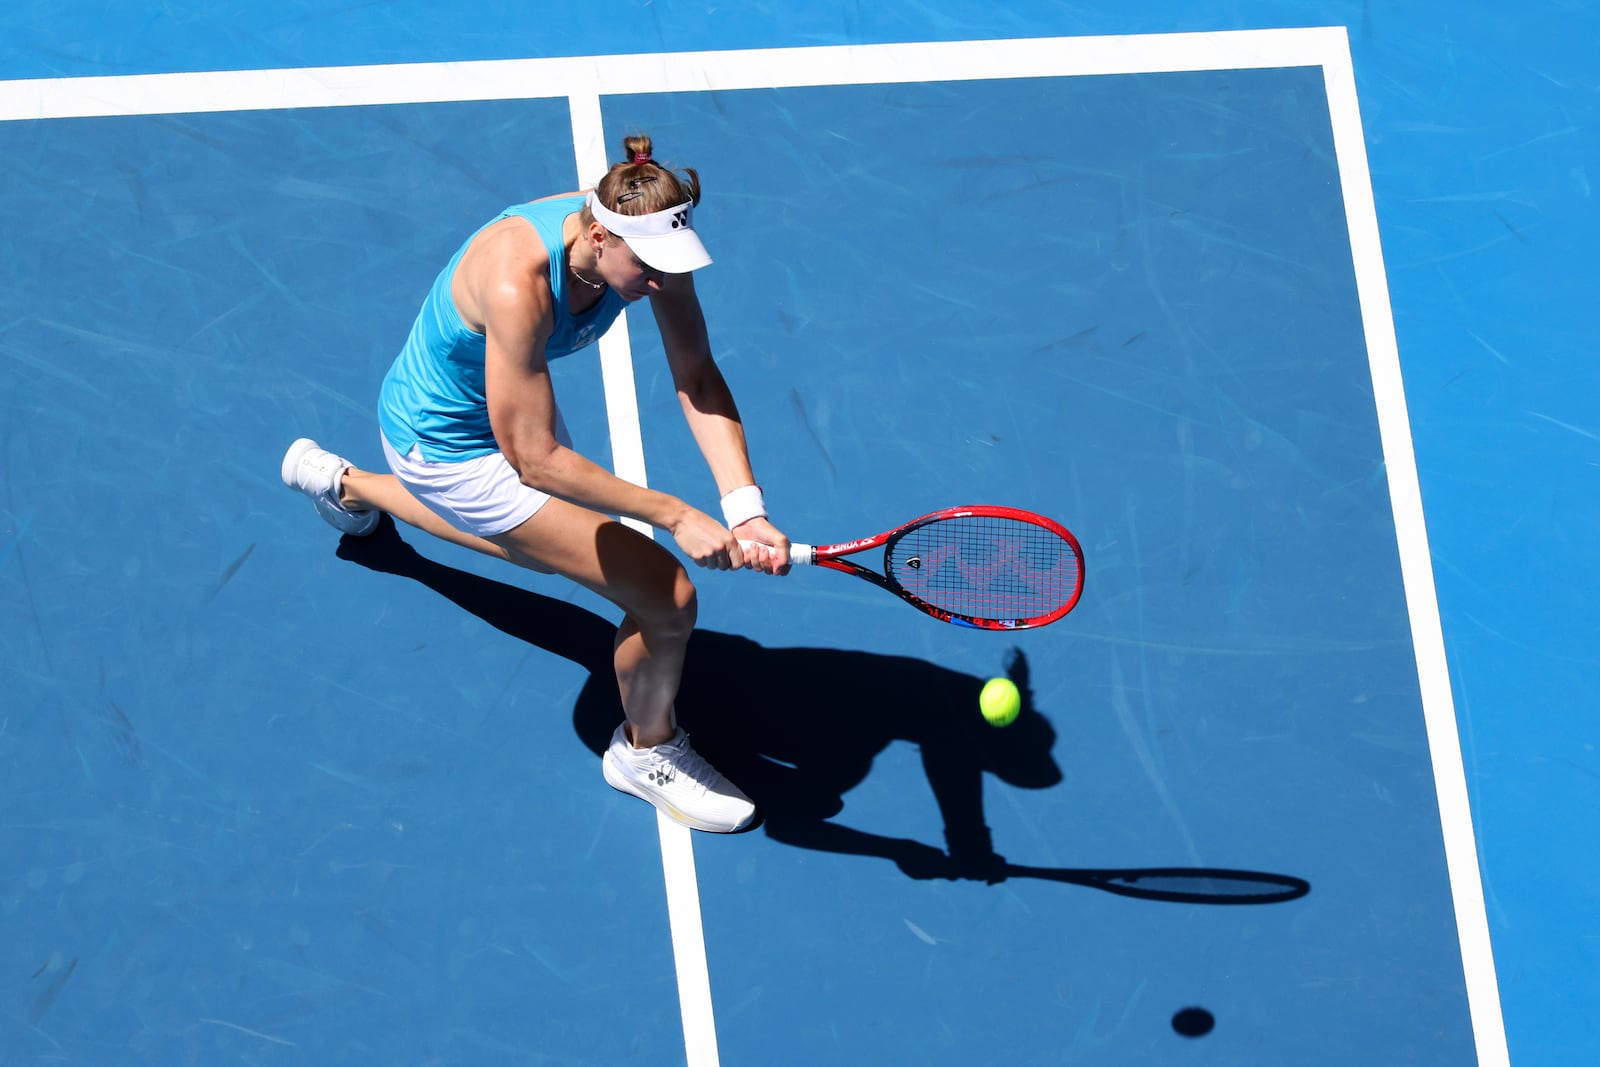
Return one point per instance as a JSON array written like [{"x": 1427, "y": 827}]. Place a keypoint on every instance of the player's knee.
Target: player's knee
[
  {"x": 685, "y": 603},
  {"x": 672, "y": 614}
]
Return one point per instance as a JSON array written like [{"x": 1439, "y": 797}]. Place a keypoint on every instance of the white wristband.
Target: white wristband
[{"x": 742, "y": 505}]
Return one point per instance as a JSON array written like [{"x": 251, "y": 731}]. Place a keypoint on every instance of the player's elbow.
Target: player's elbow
[
  {"x": 537, "y": 461},
  {"x": 705, "y": 390}
]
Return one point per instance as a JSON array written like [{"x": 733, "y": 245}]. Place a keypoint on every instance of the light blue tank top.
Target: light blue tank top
[{"x": 433, "y": 396}]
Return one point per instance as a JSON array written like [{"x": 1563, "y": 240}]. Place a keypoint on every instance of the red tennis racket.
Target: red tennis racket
[{"x": 992, "y": 568}]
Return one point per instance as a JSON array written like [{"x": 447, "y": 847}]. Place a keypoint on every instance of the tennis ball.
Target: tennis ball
[{"x": 1000, "y": 702}]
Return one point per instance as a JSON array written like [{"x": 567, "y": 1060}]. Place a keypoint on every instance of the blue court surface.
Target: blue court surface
[{"x": 1283, "y": 310}]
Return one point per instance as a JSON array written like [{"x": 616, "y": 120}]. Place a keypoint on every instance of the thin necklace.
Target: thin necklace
[{"x": 581, "y": 278}]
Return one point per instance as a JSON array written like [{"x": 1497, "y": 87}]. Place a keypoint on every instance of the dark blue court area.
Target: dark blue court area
[{"x": 276, "y": 797}]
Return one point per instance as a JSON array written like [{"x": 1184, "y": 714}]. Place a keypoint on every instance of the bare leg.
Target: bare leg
[
  {"x": 645, "y": 580},
  {"x": 383, "y": 492},
  {"x": 637, "y": 575}
]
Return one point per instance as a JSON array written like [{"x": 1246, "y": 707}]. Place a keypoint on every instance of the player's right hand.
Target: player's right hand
[{"x": 706, "y": 541}]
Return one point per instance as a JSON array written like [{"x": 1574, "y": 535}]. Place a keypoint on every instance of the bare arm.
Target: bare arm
[
  {"x": 708, "y": 405},
  {"x": 510, "y": 290}
]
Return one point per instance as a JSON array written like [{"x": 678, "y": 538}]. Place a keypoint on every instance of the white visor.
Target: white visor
[{"x": 664, "y": 240}]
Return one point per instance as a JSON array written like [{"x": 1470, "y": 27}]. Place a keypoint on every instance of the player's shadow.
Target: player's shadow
[{"x": 798, "y": 728}]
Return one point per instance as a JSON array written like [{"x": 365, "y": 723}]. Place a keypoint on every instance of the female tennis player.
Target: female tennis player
[{"x": 481, "y": 457}]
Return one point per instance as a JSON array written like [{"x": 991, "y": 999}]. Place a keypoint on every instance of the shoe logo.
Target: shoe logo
[{"x": 663, "y": 776}]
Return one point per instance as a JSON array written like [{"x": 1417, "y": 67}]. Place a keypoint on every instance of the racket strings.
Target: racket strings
[{"x": 986, "y": 566}]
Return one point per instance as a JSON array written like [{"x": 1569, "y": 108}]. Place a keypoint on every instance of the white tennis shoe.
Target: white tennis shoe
[
  {"x": 678, "y": 781},
  {"x": 319, "y": 474}
]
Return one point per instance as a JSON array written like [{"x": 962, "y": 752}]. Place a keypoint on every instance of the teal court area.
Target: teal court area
[{"x": 274, "y": 796}]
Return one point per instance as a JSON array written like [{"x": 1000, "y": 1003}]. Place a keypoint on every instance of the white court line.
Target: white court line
[
  {"x": 1416, "y": 563},
  {"x": 583, "y": 80},
  {"x": 627, "y": 457},
  {"x": 526, "y": 79}
]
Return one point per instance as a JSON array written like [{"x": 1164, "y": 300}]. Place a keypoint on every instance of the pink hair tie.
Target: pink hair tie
[{"x": 640, "y": 157}]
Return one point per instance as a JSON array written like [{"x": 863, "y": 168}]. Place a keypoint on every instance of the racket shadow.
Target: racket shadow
[
  {"x": 1182, "y": 885},
  {"x": 798, "y": 728}
]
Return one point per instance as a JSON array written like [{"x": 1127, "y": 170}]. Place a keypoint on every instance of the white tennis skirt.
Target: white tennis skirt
[{"x": 481, "y": 496}]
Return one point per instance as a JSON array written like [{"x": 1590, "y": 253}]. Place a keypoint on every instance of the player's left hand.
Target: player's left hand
[{"x": 771, "y": 554}]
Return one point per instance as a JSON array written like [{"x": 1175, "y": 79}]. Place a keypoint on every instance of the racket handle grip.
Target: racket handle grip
[{"x": 798, "y": 554}]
